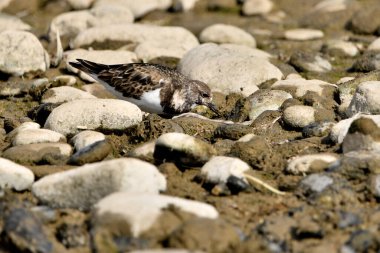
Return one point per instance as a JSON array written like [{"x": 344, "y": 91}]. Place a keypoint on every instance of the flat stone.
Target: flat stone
[
  {"x": 86, "y": 138},
  {"x": 266, "y": 100},
  {"x": 303, "y": 34},
  {"x": 222, "y": 33},
  {"x": 299, "y": 87},
  {"x": 9, "y": 22},
  {"x": 141, "y": 211},
  {"x": 30, "y": 136},
  {"x": 150, "y": 50},
  {"x": 300, "y": 165},
  {"x": 90, "y": 114},
  {"x": 257, "y": 7},
  {"x": 15, "y": 176},
  {"x": 183, "y": 149},
  {"x": 84, "y": 186},
  {"x": 99, "y": 56},
  {"x": 366, "y": 99},
  {"x": 226, "y": 70},
  {"x": 341, "y": 47},
  {"x": 136, "y": 34},
  {"x": 21, "y": 52},
  {"x": 299, "y": 116},
  {"x": 219, "y": 168},
  {"x": 39, "y": 153},
  {"x": 331, "y": 5}
]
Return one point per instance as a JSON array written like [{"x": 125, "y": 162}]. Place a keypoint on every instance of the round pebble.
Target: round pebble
[{"x": 299, "y": 116}]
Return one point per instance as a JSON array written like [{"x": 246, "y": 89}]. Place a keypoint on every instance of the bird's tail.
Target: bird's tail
[{"x": 89, "y": 66}]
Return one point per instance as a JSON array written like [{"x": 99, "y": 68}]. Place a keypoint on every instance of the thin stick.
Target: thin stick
[{"x": 262, "y": 183}]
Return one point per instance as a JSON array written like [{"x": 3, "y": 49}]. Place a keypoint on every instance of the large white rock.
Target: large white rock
[
  {"x": 266, "y": 100},
  {"x": 299, "y": 115},
  {"x": 15, "y": 176},
  {"x": 90, "y": 114},
  {"x": 86, "y": 138},
  {"x": 366, "y": 99},
  {"x": 71, "y": 23},
  {"x": 300, "y": 165},
  {"x": 138, "y": 8},
  {"x": 30, "y": 136},
  {"x": 64, "y": 94},
  {"x": 340, "y": 129},
  {"x": 9, "y": 22},
  {"x": 222, "y": 33},
  {"x": 99, "y": 56},
  {"x": 303, "y": 34},
  {"x": 141, "y": 211},
  {"x": 137, "y": 33},
  {"x": 21, "y": 52},
  {"x": 220, "y": 168},
  {"x": 301, "y": 86},
  {"x": 227, "y": 70},
  {"x": 257, "y": 7},
  {"x": 84, "y": 186}
]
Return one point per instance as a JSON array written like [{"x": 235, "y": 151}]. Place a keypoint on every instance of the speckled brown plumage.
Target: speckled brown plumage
[{"x": 177, "y": 93}]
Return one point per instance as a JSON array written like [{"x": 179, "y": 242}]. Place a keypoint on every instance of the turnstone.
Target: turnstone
[{"x": 153, "y": 88}]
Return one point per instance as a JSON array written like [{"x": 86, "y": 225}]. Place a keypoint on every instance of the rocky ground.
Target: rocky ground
[{"x": 291, "y": 164}]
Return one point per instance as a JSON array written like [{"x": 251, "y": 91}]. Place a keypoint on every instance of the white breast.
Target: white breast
[{"x": 150, "y": 101}]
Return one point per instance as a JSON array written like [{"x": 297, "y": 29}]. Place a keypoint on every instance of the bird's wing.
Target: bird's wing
[{"x": 134, "y": 79}]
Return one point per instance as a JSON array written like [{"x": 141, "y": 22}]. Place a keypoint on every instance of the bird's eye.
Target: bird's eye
[{"x": 205, "y": 95}]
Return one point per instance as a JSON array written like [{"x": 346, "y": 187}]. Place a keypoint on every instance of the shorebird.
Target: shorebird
[{"x": 153, "y": 88}]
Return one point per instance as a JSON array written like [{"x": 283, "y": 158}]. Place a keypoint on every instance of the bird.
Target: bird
[{"x": 153, "y": 88}]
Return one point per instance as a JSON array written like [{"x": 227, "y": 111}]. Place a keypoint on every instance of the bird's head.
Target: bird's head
[{"x": 203, "y": 95}]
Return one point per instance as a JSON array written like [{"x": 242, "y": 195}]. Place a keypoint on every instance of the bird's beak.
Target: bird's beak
[{"x": 213, "y": 108}]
